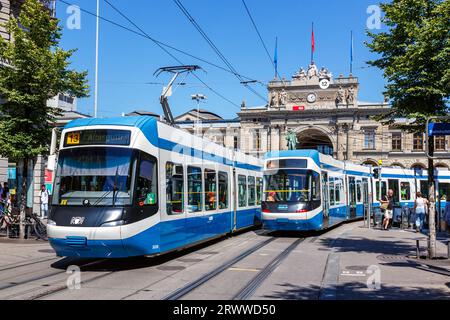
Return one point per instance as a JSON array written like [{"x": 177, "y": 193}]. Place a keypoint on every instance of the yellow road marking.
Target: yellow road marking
[{"x": 244, "y": 269}]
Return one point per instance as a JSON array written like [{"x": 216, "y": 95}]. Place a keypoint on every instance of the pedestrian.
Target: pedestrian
[
  {"x": 447, "y": 212},
  {"x": 420, "y": 209},
  {"x": 44, "y": 201},
  {"x": 388, "y": 205}
]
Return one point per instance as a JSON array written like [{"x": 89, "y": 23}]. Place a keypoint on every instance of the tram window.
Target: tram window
[
  {"x": 393, "y": 184},
  {"x": 314, "y": 182},
  {"x": 251, "y": 191},
  {"x": 424, "y": 188},
  {"x": 174, "y": 188},
  {"x": 352, "y": 190},
  {"x": 332, "y": 192},
  {"x": 258, "y": 190},
  {"x": 210, "y": 190},
  {"x": 383, "y": 189},
  {"x": 358, "y": 192},
  {"x": 444, "y": 191},
  {"x": 194, "y": 189},
  {"x": 146, "y": 181},
  {"x": 223, "y": 190},
  {"x": 405, "y": 191},
  {"x": 242, "y": 191},
  {"x": 337, "y": 188}
]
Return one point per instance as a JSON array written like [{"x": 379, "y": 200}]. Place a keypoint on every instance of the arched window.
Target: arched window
[
  {"x": 418, "y": 166},
  {"x": 370, "y": 162},
  {"x": 397, "y": 165}
]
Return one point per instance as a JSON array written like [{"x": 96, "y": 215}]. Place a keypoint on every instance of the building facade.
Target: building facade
[
  {"x": 324, "y": 113},
  {"x": 68, "y": 105}
]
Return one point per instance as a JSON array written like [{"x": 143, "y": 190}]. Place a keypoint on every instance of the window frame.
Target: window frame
[
  {"x": 206, "y": 172},
  {"x": 189, "y": 205},
  {"x": 418, "y": 142},
  {"x": 369, "y": 139},
  {"x": 408, "y": 190},
  {"x": 227, "y": 194},
  {"x": 239, "y": 176},
  {"x": 251, "y": 185},
  {"x": 172, "y": 213},
  {"x": 156, "y": 178},
  {"x": 396, "y": 141}
]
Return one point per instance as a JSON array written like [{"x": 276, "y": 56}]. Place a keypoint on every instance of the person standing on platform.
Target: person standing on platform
[
  {"x": 388, "y": 201},
  {"x": 420, "y": 208},
  {"x": 44, "y": 201}
]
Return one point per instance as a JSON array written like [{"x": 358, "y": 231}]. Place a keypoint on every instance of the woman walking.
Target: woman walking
[{"x": 420, "y": 207}]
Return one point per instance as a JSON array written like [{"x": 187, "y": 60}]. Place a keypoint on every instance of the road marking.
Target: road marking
[{"x": 244, "y": 269}]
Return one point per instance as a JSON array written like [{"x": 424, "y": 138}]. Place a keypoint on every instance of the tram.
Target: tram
[
  {"x": 135, "y": 186},
  {"x": 306, "y": 190}
]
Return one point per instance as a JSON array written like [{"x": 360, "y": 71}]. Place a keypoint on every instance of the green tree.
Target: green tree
[
  {"x": 414, "y": 54},
  {"x": 37, "y": 69}
]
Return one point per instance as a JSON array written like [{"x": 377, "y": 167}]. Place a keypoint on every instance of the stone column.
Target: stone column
[
  {"x": 275, "y": 139},
  {"x": 38, "y": 180},
  {"x": 264, "y": 140},
  {"x": 3, "y": 169}
]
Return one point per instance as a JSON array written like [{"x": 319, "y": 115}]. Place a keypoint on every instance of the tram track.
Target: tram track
[
  {"x": 29, "y": 263},
  {"x": 65, "y": 264},
  {"x": 252, "y": 285},
  {"x": 256, "y": 282}
]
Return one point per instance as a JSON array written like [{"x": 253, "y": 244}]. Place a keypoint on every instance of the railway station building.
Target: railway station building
[{"x": 324, "y": 113}]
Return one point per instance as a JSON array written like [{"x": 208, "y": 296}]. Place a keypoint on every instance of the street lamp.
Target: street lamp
[{"x": 198, "y": 97}]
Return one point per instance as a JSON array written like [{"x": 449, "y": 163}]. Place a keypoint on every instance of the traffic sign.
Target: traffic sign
[{"x": 438, "y": 129}]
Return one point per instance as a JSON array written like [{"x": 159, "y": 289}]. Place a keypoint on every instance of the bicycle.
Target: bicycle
[
  {"x": 40, "y": 229},
  {"x": 7, "y": 220}
]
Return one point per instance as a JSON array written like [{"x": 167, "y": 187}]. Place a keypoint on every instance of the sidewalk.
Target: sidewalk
[
  {"x": 15, "y": 250},
  {"x": 388, "y": 258}
]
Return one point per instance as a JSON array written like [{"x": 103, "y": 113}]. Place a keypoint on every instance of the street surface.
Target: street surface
[{"x": 348, "y": 262}]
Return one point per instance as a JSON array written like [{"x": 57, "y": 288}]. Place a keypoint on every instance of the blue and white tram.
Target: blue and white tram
[
  {"x": 134, "y": 186},
  {"x": 306, "y": 190}
]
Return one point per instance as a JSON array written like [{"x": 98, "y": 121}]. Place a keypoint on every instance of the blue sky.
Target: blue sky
[{"x": 127, "y": 61}]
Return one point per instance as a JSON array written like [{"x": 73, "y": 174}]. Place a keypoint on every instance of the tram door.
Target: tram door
[
  {"x": 235, "y": 202},
  {"x": 326, "y": 198},
  {"x": 352, "y": 197},
  {"x": 365, "y": 191}
]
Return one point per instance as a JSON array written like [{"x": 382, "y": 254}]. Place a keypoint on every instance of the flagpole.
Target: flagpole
[
  {"x": 96, "y": 60},
  {"x": 275, "y": 58},
  {"x": 312, "y": 42},
  {"x": 351, "y": 52}
]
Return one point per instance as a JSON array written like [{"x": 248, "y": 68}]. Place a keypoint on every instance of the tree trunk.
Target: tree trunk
[
  {"x": 431, "y": 198},
  {"x": 23, "y": 198}
]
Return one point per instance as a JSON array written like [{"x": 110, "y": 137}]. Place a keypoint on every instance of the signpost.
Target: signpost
[{"x": 434, "y": 129}]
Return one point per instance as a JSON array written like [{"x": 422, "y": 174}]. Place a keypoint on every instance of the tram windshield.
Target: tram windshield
[
  {"x": 291, "y": 185},
  {"x": 94, "y": 176}
]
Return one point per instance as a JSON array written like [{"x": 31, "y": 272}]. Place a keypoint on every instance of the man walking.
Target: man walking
[
  {"x": 44, "y": 201},
  {"x": 388, "y": 202}
]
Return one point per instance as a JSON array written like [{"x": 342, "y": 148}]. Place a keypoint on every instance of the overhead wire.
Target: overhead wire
[
  {"x": 214, "y": 47},
  {"x": 260, "y": 38}
]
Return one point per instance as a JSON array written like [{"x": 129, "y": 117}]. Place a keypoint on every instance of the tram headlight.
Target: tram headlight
[
  {"x": 113, "y": 223},
  {"x": 51, "y": 222}
]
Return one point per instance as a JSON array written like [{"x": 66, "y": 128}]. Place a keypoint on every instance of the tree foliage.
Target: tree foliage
[
  {"x": 38, "y": 70},
  {"x": 414, "y": 54}
]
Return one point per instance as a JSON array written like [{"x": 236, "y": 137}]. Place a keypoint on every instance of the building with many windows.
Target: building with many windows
[{"x": 324, "y": 113}]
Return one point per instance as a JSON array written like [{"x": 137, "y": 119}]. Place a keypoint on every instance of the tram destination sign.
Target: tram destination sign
[
  {"x": 97, "y": 137},
  {"x": 438, "y": 129}
]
